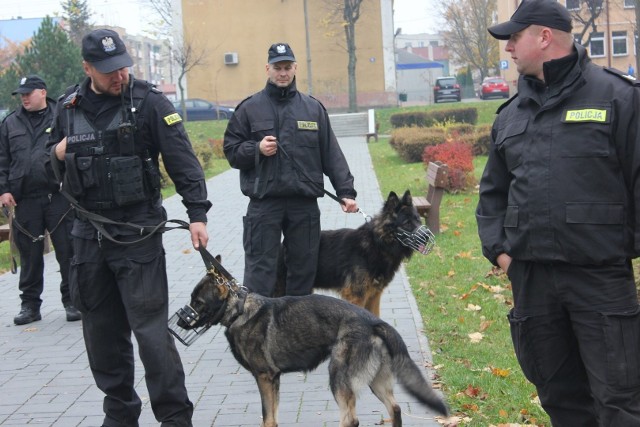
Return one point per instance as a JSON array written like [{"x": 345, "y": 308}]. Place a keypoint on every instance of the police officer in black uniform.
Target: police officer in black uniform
[
  {"x": 107, "y": 135},
  {"x": 282, "y": 142},
  {"x": 558, "y": 212},
  {"x": 39, "y": 206}
]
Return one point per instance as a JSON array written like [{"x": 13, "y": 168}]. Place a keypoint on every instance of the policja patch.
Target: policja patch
[
  {"x": 593, "y": 115},
  {"x": 172, "y": 119},
  {"x": 307, "y": 125}
]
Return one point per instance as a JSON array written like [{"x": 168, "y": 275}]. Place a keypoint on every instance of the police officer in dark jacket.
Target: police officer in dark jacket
[
  {"x": 558, "y": 212},
  {"x": 38, "y": 204},
  {"x": 107, "y": 133},
  {"x": 282, "y": 142}
]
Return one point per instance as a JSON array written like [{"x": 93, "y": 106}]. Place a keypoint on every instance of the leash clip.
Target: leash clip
[{"x": 367, "y": 218}]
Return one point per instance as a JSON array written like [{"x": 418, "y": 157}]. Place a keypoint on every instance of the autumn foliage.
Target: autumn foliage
[{"x": 458, "y": 157}]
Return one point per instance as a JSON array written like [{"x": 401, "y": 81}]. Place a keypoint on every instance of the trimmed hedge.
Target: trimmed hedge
[
  {"x": 410, "y": 142},
  {"x": 429, "y": 118}
]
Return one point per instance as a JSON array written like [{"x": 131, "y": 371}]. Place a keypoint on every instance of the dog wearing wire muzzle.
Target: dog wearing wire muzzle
[
  {"x": 360, "y": 263},
  {"x": 272, "y": 336}
]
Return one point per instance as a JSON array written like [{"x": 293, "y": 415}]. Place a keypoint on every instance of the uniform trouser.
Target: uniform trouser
[
  {"x": 576, "y": 333},
  {"x": 122, "y": 289},
  {"x": 298, "y": 220},
  {"x": 35, "y": 214}
]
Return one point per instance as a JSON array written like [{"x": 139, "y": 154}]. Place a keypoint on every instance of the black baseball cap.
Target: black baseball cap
[
  {"x": 547, "y": 13},
  {"x": 280, "y": 52},
  {"x": 105, "y": 50},
  {"x": 29, "y": 83}
]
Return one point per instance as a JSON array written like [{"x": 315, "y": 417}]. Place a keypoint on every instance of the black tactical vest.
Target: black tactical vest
[{"x": 103, "y": 168}]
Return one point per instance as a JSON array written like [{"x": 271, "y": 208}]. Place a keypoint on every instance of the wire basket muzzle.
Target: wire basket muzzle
[
  {"x": 421, "y": 239},
  {"x": 188, "y": 317}
]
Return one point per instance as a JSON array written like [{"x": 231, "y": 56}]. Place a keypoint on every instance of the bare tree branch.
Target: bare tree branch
[{"x": 467, "y": 38}]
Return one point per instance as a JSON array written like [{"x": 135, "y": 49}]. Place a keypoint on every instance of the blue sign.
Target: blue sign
[{"x": 504, "y": 65}]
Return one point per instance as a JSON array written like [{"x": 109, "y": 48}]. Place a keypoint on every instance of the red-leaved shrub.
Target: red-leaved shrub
[{"x": 457, "y": 156}]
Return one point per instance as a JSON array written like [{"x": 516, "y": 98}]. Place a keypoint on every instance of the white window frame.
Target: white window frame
[
  {"x": 600, "y": 40},
  {"x": 629, "y": 4},
  {"x": 618, "y": 36}
]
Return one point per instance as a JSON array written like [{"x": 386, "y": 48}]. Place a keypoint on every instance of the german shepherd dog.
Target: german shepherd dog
[
  {"x": 272, "y": 336},
  {"x": 360, "y": 263}
]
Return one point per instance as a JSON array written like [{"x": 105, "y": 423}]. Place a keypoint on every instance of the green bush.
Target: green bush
[
  {"x": 410, "y": 119},
  {"x": 458, "y": 115},
  {"x": 482, "y": 140},
  {"x": 411, "y": 142}
]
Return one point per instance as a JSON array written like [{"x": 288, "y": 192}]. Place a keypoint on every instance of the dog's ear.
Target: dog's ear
[
  {"x": 392, "y": 201},
  {"x": 406, "y": 199}
]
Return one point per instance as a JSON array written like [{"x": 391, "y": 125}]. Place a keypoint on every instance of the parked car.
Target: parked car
[
  {"x": 199, "y": 109},
  {"x": 446, "y": 88},
  {"x": 494, "y": 87}
]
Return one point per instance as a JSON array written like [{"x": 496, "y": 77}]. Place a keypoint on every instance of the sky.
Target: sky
[{"x": 413, "y": 16}]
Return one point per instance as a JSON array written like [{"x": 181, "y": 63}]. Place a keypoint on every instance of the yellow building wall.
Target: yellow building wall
[
  {"x": 216, "y": 27},
  {"x": 615, "y": 17}
]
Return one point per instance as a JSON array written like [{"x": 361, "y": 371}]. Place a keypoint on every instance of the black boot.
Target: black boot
[
  {"x": 72, "y": 313},
  {"x": 27, "y": 315}
]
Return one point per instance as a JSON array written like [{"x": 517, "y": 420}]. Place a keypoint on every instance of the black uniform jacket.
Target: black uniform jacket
[
  {"x": 23, "y": 155},
  {"x": 160, "y": 131},
  {"x": 305, "y": 140},
  {"x": 561, "y": 182}
]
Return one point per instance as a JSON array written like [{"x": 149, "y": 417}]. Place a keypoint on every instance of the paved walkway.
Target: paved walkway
[{"x": 45, "y": 378}]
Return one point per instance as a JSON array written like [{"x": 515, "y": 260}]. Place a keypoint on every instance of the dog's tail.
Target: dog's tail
[{"x": 407, "y": 372}]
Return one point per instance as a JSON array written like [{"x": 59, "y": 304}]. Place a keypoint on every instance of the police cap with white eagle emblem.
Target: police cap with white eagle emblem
[
  {"x": 280, "y": 52},
  {"x": 105, "y": 50},
  {"x": 28, "y": 84}
]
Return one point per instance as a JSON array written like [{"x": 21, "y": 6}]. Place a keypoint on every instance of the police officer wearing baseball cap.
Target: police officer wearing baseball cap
[
  {"x": 282, "y": 201},
  {"x": 558, "y": 213},
  {"x": 38, "y": 206},
  {"x": 109, "y": 157},
  {"x": 28, "y": 84}
]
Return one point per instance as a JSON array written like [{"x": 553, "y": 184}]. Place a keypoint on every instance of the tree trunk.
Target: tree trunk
[{"x": 350, "y": 33}]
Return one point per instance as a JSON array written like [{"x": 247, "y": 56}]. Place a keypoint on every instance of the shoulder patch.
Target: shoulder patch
[
  {"x": 172, "y": 119},
  {"x": 624, "y": 76}
]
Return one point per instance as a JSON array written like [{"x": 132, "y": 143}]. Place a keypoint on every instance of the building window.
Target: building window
[
  {"x": 619, "y": 43},
  {"x": 596, "y": 47},
  {"x": 629, "y": 3},
  {"x": 573, "y": 4}
]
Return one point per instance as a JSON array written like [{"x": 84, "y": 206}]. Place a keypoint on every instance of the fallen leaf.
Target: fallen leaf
[
  {"x": 473, "y": 307},
  {"x": 498, "y": 372},
  {"x": 484, "y": 325},
  {"x": 475, "y": 337}
]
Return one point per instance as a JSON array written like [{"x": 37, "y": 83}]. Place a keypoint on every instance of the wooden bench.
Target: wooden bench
[
  {"x": 429, "y": 206},
  {"x": 4, "y": 232}
]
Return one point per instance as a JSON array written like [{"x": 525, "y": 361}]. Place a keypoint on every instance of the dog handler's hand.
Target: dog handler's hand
[
  {"x": 268, "y": 145},
  {"x": 61, "y": 148},
  {"x": 199, "y": 234},
  {"x": 349, "y": 205}
]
